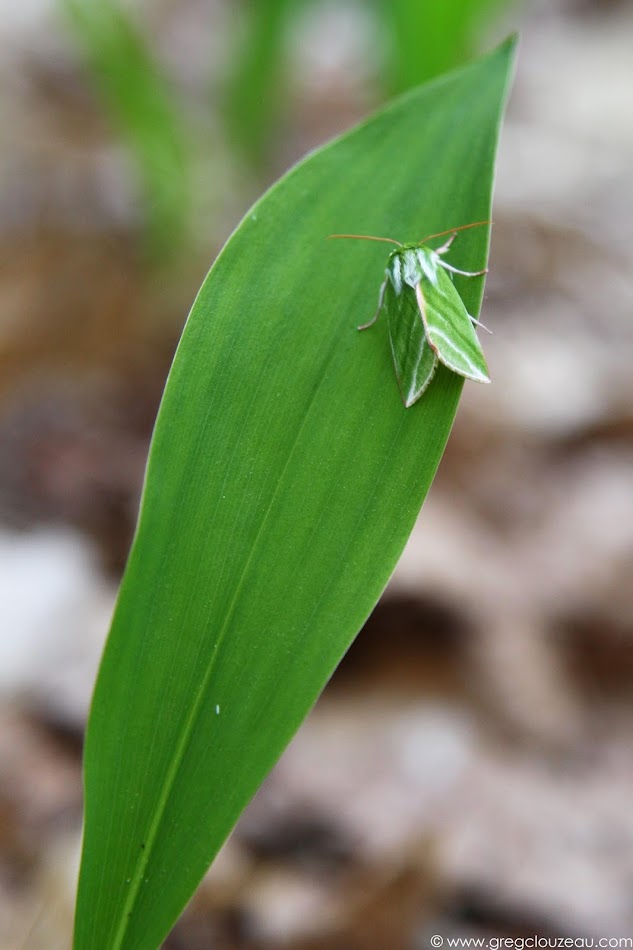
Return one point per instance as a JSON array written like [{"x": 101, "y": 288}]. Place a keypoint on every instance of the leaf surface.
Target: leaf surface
[{"x": 284, "y": 478}]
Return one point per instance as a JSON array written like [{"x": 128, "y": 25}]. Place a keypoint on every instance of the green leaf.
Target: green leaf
[
  {"x": 284, "y": 478},
  {"x": 137, "y": 98}
]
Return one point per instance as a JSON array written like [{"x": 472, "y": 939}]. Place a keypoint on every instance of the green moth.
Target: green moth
[{"x": 428, "y": 322}]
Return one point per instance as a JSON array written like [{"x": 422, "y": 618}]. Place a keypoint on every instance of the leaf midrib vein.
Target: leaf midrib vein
[{"x": 152, "y": 834}]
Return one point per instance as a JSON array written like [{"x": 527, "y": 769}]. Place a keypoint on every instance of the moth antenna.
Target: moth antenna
[
  {"x": 462, "y": 227},
  {"x": 366, "y": 237}
]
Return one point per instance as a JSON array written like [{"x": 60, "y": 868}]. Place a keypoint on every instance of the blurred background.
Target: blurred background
[{"x": 469, "y": 769}]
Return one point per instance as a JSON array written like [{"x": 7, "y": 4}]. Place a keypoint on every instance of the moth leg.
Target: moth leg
[
  {"x": 479, "y": 324},
  {"x": 381, "y": 297},
  {"x": 444, "y": 248},
  {"x": 465, "y": 273}
]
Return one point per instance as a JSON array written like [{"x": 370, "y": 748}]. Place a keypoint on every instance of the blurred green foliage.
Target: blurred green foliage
[
  {"x": 138, "y": 99},
  {"x": 254, "y": 96},
  {"x": 430, "y": 37},
  {"x": 422, "y": 38}
]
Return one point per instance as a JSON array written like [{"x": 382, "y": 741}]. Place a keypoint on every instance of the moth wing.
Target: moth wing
[
  {"x": 414, "y": 360},
  {"x": 449, "y": 329}
]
